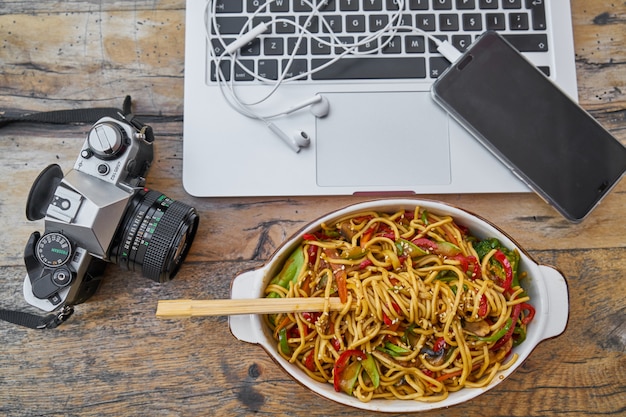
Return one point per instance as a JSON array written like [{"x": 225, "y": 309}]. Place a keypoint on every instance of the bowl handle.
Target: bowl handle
[
  {"x": 558, "y": 301},
  {"x": 244, "y": 286}
]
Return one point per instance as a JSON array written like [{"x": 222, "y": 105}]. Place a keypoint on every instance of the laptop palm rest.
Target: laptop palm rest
[{"x": 357, "y": 145}]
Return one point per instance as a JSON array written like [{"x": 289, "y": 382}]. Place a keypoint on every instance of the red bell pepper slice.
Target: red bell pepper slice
[
  {"x": 531, "y": 313},
  {"x": 483, "y": 306},
  {"x": 342, "y": 363},
  {"x": 508, "y": 269},
  {"x": 469, "y": 264},
  {"x": 309, "y": 361}
]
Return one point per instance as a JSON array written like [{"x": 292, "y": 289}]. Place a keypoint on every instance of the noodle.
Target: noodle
[{"x": 429, "y": 309}]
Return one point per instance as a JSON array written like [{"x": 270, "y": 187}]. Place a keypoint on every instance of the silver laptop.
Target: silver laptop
[{"x": 354, "y": 78}]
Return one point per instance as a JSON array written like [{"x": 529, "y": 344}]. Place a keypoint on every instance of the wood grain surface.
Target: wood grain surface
[{"x": 115, "y": 357}]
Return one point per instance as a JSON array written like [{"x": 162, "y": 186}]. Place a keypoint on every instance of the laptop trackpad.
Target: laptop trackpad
[{"x": 382, "y": 139}]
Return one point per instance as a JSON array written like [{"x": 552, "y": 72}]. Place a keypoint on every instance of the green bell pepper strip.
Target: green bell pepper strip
[
  {"x": 369, "y": 365},
  {"x": 282, "y": 339},
  {"x": 497, "y": 335},
  {"x": 290, "y": 271},
  {"x": 408, "y": 248},
  {"x": 349, "y": 377},
  {"x": 393, "y": 350}
]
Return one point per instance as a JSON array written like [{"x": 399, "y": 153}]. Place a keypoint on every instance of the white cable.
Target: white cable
[{"x": 249, "y": 33}]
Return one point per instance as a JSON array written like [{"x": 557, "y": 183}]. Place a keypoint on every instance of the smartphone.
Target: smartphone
[{"x": 558, "y": 149}]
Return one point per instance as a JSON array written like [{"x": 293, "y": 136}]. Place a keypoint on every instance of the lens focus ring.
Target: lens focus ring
[
  {"x": 155, "y": 235},
  {"x": 163, "y": 255}
]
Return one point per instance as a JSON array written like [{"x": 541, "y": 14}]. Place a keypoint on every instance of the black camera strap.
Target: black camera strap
[
  {"x": 34, "y": 321},
  {"x": 66, "y": 117},
  {"x": 72, "y": 116}
]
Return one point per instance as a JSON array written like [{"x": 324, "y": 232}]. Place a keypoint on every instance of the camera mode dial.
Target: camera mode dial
[
  {"x": 107, "y": 140},
  {"x": 53, "y": 250}
]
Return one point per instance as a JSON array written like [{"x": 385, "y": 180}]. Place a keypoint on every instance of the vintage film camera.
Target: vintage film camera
[{"x": 101, "y": 213}]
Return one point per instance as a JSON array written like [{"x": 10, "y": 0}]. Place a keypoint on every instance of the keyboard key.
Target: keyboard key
[
  {"x": 320, "y": 48},
  {"x": 472, "y": 22},
  {"x": 392, "y": 5},
  {"x": 302, "y": 46},
  {"x": 511, "y": 4},
  {"x": 437, "y": 66},
  {"x": 312, "y": 25},
  {"x": 465, "y": 4},
  {"x": 442, "y": 4},
  {"x": 225, "y": 70},
  {"x": 285, "y": 24},
  {"x": 432, "y": 46},
  {"x": 461, "y": 42},
  {"x": 218, "y": 46},
  {"x": 495, "y": 21},
  {"x": 279, "y": 6},
  {"x": 230, "y": 25},
  {"x": 300, "y": 6},
  {"x": 414, "y": 44},
  {"x": 273, "y": 46},
  {"x": 297, "y": 67},
  {"x": 425, "y": 22},
  {"x": 530, "y": 42},
  {"x": 355, "y": 23},
  {"x": 518, "y": 21},
  {"x": 331, "y": 23},
  {"x": 488, "y": 4},
  {"x": 393, "y": 46},
  {"x": 378, "y": 22},
  {"x": 537, "y": 13},
  {"x": 228, "y": 6},
  {"x": 349, "y": 5},
  {"x": 344, "y": 40},
  {"x": 329, "y": 5},
  {"x": 268, "y": 68},
  {"x": 418, "y": 4},
  {"x": 368, "y": 46},
  {"x": 240, "y": 73},
  {"x": 251, "y": 5},
  {"x": 545, "y": 70},
  {"x": 448, "y": 22},
  {"x": 373, "y": 5},
  {"x": 252, "y": 48},
  {"x": 370, "y": 68}
]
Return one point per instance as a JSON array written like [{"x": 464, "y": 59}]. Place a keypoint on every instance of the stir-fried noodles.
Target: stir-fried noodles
[{"x": 429, "y": 309}]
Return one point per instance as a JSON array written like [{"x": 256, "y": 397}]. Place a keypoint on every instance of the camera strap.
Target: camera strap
[
  {"x": 34, "y": 321},
  {"x": 72, "y": 116}
]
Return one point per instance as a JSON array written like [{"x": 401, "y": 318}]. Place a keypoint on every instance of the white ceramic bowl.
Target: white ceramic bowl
[{"x": 547, "y": 289}]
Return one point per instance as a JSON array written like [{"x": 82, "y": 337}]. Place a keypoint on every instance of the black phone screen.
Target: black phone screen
[{"x": 546, "y": 138}]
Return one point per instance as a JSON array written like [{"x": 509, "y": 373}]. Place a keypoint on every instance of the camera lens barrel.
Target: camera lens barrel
[{"x": 155, "y": 235}]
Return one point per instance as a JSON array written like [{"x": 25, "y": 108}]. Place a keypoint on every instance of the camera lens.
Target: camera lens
[{"x": 155, "y": 235}]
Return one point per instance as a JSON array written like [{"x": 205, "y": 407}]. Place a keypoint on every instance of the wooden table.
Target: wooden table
[{"x": 115, "y": 357}]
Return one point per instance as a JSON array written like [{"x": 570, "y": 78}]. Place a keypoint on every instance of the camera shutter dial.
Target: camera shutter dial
[
  {"x": 106, "y": 140},
  {"x": 53, "y": 250}
]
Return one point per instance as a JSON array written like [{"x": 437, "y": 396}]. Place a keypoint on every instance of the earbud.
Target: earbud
[
  {"x": 319, "y": 106},
  {"x": 300, "y": 139},
  {"x": 296, "y": 141}
]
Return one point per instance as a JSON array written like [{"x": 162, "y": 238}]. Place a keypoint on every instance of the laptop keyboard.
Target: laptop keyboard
[{"x": 404, "y": 54}]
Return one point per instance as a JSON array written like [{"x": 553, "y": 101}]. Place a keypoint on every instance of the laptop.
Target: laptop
[{"x": 247, "y": 96}]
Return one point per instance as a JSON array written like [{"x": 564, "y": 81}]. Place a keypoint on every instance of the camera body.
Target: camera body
[{"x": 100, "y": 213}]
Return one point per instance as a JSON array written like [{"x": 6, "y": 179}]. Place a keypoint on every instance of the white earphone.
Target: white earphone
[
  {"x": 319, "y": 107},
  {"x": 318, "y": 104}
]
